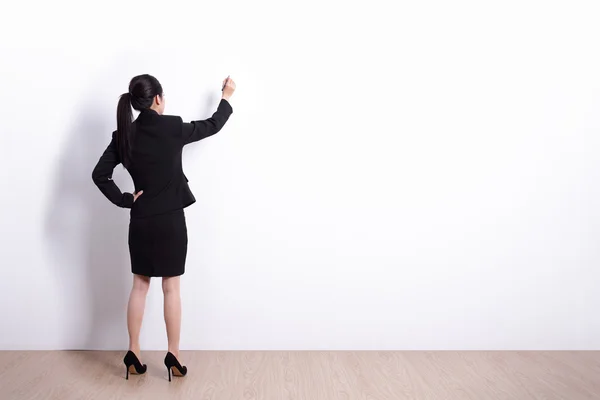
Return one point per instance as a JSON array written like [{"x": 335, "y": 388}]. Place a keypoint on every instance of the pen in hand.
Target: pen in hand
[
  {"x": 228, "y": 84},
  {"x": 225, "y": 84}
]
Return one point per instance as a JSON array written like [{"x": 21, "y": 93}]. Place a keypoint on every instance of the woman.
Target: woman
[{"x": 150, "y": 149}]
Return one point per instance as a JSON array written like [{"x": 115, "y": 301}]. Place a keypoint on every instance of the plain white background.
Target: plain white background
[{"x": 396, "y": 175}]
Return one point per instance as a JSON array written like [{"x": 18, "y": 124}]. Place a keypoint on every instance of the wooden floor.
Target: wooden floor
[{"x": 300, "y": 375}]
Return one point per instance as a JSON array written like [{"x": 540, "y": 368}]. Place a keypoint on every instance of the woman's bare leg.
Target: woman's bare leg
[
  {"x": 172, "y": 310},
  {"x": 135, "y": 311}
]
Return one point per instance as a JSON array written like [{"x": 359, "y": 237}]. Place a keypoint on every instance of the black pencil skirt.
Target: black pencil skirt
[{"x": 158, "y": 244}]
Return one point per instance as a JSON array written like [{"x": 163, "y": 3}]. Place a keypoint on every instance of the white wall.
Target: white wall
[{"x": 415, "y": 175}]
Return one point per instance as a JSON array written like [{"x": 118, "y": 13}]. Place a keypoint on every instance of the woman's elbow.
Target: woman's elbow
[{"x": 97, "y": 176}]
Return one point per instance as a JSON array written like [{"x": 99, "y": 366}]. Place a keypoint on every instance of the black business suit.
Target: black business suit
[{"x": 157, "y": 229}]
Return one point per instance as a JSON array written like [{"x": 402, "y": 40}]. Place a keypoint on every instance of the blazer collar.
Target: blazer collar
[{"x": 148, "y": 111}]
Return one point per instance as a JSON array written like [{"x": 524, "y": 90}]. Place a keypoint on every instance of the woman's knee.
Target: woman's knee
[
  {"x": 170, "y": 285},
  {"x": 141, "y": 283}
]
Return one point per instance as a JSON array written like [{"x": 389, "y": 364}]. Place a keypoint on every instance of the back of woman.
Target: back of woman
[
  {"x": 156, "y": 167},
  {"x": 150, "y": 149}
]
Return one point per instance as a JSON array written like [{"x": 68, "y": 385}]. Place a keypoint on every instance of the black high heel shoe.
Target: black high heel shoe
[
  {"x": 133, "y": 365},
  {"x": 172, "y": 364}
]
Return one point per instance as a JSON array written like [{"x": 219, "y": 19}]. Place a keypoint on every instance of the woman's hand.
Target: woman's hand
[
  {"x": 136, "y": 195},
  {"x": 228, "y": 88}
]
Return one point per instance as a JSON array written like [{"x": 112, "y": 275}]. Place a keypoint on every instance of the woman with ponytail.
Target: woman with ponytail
[
  {"x": 124, "y": 118},
  {"x": 150, "y": 148}
]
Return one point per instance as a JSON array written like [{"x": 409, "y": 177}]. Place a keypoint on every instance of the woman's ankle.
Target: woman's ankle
[{"x": 135, "y": 350}]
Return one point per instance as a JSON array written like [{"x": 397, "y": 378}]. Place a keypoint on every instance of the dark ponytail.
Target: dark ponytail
[
  {"x": 142, "y": 90},
  {"x": 124, "y": 119}
]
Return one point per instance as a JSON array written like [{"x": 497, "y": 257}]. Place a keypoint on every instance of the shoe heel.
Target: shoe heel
[
  {"x": 169, "y": 370},
  {"x": 126, "y": 372}
]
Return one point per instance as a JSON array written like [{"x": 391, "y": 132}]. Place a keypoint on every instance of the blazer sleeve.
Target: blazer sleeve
[
  {"x": 102, "y": 176},
  {"x": 198, "y": 130}
]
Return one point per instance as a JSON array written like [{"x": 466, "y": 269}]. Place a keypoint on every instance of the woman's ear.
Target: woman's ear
[{"x": 158, "y": 99}]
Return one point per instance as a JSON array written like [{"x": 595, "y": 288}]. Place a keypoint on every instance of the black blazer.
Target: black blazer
[{"x": 156, "y": 166}]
